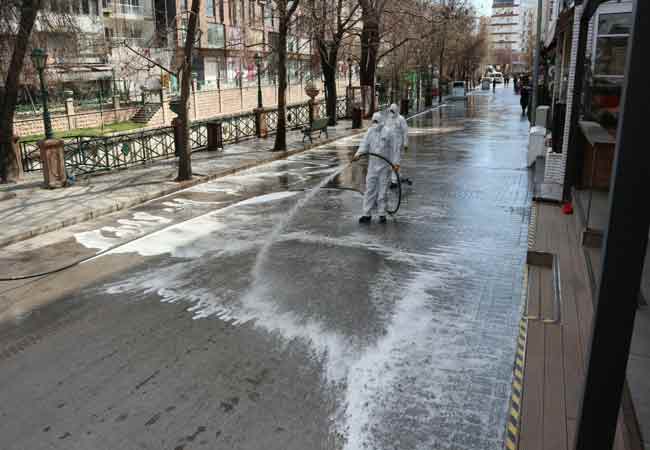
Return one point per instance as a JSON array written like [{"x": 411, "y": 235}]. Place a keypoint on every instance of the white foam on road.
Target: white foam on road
[
  {"x": 268, "y": 198},
  {"x": 180, "y": 240},
  {"x": 433, "y": 131},
  {"x": 372, "y": 373},
  {"x": 109, "y": 236}
]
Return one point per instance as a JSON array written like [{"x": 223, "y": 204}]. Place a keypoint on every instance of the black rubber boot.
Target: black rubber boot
[
  {"x": 365, "y": 219},
  {"x": 382, "y": 219}
]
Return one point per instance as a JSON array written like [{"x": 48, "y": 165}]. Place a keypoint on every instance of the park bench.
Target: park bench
[{"x": 319, "y": 125}]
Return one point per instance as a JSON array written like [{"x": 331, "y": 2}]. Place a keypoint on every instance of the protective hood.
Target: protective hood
[
  {"x": 394, "y": 109},
  {"x": 379, "y": 119}
]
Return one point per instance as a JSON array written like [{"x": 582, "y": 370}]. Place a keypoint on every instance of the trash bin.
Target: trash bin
[
  {"x": 215, "y": 135},
  {"x": 536, "y": 145},
  {"x": 356, "y": 117},
  {"x": 404, "y": 106}
]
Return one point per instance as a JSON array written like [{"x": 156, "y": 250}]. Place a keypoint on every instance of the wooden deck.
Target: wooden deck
[{"x": 556, "y": 350}]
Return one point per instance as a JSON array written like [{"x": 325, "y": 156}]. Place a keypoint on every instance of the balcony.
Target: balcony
[{"x": 126, "y": 9}]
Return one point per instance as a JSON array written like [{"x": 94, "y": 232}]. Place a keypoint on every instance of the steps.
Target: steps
[{"x": 146, "y": 113}]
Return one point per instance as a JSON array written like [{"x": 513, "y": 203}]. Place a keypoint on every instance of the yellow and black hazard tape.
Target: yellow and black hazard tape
[
  {"x": 532, "y": 227},
  {"x": 514, "y": 412}
]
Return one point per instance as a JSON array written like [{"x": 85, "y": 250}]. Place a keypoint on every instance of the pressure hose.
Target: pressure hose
[{"x": 393, "y": 201}]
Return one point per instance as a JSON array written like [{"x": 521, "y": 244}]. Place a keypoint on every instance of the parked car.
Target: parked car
[{"x": 498, "y": 77}]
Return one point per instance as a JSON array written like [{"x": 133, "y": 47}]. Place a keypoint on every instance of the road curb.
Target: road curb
[
  {"x": 513, "y": 425},
  {"x": 177, "y": 186}
]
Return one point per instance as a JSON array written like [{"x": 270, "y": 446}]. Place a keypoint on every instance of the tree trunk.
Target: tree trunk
[
  {"x": 440, "y": 71},
  {"x": 28, "y": 15},
  {"x": 369, "y": 53},
  {"x": 185, "y": 150},
  {"x": 281, "y": 134},
  {"x": 328, "y": 65}
]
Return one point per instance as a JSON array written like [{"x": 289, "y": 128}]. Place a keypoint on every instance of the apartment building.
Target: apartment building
[
  {"x": 506, "y": 26},
  {"x": 92, "y": 54},
  {"x": 231, "y": 33},
  {"x": 509, "y": 33}
]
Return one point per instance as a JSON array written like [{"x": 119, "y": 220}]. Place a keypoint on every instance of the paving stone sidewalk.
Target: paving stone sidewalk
[{"x": 27, "y": 209}]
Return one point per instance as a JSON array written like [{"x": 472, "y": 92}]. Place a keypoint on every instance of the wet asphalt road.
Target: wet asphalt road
[{"x": 240, "y": 321}]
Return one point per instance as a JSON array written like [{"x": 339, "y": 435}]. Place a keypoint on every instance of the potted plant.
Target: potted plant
[{"x": 311, "y": 90}]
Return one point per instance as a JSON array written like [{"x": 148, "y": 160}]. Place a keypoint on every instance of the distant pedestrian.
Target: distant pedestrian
[
  {"x": 494, "y": 84},
  {"x": 525, "y": 97}
]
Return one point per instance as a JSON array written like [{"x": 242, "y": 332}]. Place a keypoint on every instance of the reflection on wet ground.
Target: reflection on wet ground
[{"x": 382, "y": 337}]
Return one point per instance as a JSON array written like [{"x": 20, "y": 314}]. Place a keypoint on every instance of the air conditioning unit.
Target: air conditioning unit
[{"x": 107, "y": 12}]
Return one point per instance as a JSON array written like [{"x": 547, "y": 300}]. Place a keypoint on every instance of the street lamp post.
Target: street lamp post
[
  {"x": 348, "y": 94},
  {"x": 350, "y": 73},
  {"x": 258, "y": 63},
  {"x": 39, "y": 58}
]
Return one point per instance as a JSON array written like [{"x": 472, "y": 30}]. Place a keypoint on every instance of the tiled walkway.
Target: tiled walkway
[
  {"x": 557, "y": 344},
  {"x": 29, "y": 210}
]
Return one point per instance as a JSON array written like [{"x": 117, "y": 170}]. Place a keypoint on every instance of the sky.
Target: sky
[{"x": 484, "y": 7}]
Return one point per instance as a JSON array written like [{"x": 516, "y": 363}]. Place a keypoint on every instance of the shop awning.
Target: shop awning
[{"x": 558, "y": 25}]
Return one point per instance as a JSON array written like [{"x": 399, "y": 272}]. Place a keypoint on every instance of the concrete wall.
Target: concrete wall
[
  {"x": 212, "y": 103},
  {"x": 64, "y": 122},
  {"x": 203, "y": 105}
]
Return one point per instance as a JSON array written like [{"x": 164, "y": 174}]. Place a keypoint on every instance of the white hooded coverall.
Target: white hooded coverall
[
  {"x": 397, "y": 123},
  {"x": 380, "y": 140}
]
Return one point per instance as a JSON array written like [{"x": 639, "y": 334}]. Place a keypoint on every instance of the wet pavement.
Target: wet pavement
[{"x": 253, "y": 312}]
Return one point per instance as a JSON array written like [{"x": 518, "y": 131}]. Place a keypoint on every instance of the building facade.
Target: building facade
[
  {"x": 232, "y": 33},
  {"x": 94, "y": 54},
  {"x": 505, "y": 34}
]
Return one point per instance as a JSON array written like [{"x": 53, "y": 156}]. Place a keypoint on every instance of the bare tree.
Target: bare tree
[
  {"x": 529, "y": 39},
  {"x": 285, "y": 10},
  {"x": 185, "y": 150},
  {"x": 184, "y": 72},
  {"x": 331, "y": 24},
  {"x": 371, "y": 17},
  {"x": 18, "y": 18}
]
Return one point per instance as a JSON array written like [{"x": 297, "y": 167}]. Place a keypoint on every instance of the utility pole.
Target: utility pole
[{"x": 536, "y": 63}]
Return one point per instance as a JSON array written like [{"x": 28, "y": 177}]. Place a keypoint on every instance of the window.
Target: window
[
  {"x": 611, "y": 44},
  {"x": 251, "y": 12},
  {"x": 216, "y": 35},
  {"x": 242, "y": 9},
  {"x": 210, "y": 71},
  {"x": 85, "y": 7},
  {"x": 209, "y": 8},
  {"x": 232, "y": 12},
  {"x": 292, "y": 44},
  {"x": 221, "y": 14},
  {"x": 269, "y": 16}
]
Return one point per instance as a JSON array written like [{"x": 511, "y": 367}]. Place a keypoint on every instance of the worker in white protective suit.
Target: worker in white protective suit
[
  {"x": 379, "y": 140},
  {"x": 397, "y": 124}
]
